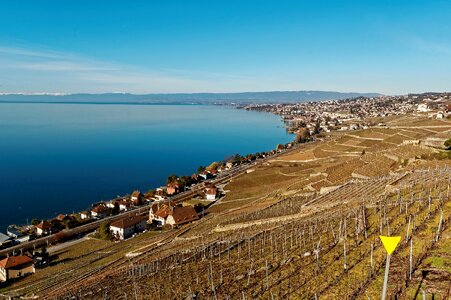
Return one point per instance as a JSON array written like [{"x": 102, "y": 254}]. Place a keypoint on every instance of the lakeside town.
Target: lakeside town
[
  {"x": 186, "y": 199},
  {"x": 354, "y": 113}
]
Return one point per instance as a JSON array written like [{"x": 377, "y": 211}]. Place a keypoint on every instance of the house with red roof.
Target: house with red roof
[
  {"x": 44, "y": 228},
  {"x": 136, "y": 197},
  {"x": 15, "y": 267},
  {"x": 181, "y": 215},
  {"x": 172, "y": 188},
  {"x": 211, "y": 193},
  {"x": 159, "y": 212},
  {"x": 124, "y": 204},
  {"x": 62, "y": 218},
  {"x": 100, "y": 211}
]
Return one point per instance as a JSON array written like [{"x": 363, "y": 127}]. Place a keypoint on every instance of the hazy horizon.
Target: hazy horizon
[{"x": 184, "y": 98}]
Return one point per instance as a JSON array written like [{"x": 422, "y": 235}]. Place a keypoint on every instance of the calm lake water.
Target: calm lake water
[{"x": 60, "y": 158}]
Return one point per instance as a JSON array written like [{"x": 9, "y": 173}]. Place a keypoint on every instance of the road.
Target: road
[
  {"x": 61, "y": 246},
  {"x": 69, "y": 233}
]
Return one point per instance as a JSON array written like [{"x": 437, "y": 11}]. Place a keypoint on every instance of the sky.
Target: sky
[{"x": 390, "y": 47}]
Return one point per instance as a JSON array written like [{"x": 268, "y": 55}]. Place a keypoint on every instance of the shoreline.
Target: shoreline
[
  {"x": 112, "y": 103},
  {"x": 143, "y": 209},
  {"x": 120, "y": 196}
]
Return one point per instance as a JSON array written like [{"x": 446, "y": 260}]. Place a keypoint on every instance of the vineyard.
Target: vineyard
[
  {"x": 304, "y": 226},
  {"x": 333, "y": 253}
]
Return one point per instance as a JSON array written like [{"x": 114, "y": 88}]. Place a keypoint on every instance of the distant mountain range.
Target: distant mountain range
[{"x": 185, "y": 98}]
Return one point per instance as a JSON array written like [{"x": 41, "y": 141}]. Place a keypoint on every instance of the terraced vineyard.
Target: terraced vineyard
[
  {"x": 303, "y": 226},
  {"x": 332, "y": 253}
]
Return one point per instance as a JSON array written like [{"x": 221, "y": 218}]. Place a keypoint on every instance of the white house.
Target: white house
[
  {"x": 159, "y": 212},
  {"x": 110, "y": 204},
  {"x": 43, "y": 228},
  {"x": 85, "y": 215},
  {"x": 124, "y": 205},
  {"x": 440, "y": 115},
  {"x": 423, "y": 108},
  {"x": 136, "y": 196},
  {"x": 100, "y": 211},
  {"x": 126, "y": 227}
]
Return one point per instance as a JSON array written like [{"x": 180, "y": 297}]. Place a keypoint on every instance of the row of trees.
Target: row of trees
[
  {"x": 69, "y": 223},
  {"x": 181, "y": 181}
]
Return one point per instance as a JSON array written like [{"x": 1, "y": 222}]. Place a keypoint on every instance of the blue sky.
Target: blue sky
[{"x": 391, "y": 47}]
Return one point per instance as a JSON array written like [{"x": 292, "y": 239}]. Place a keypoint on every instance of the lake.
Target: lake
[{"x": 61, "y": 158}]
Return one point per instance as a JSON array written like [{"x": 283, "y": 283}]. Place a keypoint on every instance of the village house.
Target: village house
[
  {"x": 62, "y": 218},
  {"x": 126, "y": 227},
  {"x": 423, "y": 107},
  {"x": 85, "y": 215},
  {"x": 124, "y": 204},
  {"x": 44, "y": 228},
  {"x": 159, "y": 212},
  {"x": 440, "y": 115},
  {"x": 100, "y": 211},
  {"x": 160, "y": 194},
  {"x": 206, "y": 175},
  {"x": 210, "y": 193},
  {"x": 181, "y": 215},
  {"x": 172, "y": 188},
  {"x": 136, "y": 197},
  {"x": 15, "y": 267}
]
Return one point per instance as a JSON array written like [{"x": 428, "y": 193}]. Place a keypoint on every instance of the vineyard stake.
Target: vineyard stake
[
  {"x": 410, "y": 260},
  {"x": 390, "y": 243}
]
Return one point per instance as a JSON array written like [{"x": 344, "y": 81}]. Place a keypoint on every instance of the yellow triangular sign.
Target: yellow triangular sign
[{"x": 390, "y": 243}]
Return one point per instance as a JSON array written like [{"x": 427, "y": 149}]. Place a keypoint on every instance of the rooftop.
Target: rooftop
[
  {"x": 14, "y": 261},
  {"x": 128, "y": 222}
]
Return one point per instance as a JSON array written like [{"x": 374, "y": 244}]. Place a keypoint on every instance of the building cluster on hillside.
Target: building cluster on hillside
[{"x": 354, "y": 113}]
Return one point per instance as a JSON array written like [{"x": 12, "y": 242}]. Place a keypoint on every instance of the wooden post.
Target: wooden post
[
  {"x": 371, "y": 260},
  {"x": 439, "y": 226},
  {"x": 410, "y": 260},
  {"x": 407, "y": 232},
  {"x": 267, "y": 281},
  {"x": 364, "y": 220},
  {"x": 211, "y": 280},
  {"x": 344, "y": 255}
]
